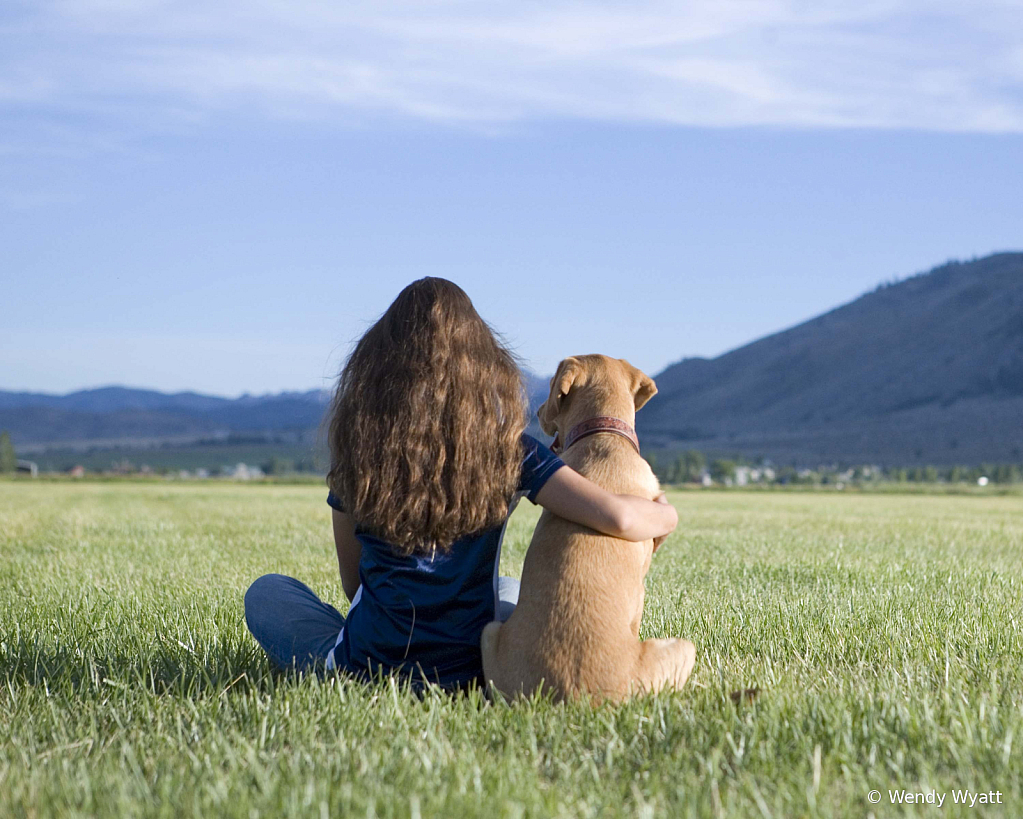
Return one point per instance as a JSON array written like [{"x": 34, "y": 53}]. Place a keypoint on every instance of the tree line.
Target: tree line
[{"x": 692, "y": 466}]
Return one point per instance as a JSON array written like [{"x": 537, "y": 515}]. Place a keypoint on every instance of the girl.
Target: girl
[{"x": 429, "y": 458}]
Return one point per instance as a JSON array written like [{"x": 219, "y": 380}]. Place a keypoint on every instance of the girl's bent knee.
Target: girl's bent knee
[{"x": 260, "y": 596}]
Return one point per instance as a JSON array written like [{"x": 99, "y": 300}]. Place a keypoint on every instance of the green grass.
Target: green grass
[{"x": 885, "y": 632}]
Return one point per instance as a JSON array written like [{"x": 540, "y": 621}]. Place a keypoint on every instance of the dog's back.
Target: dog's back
[{"x": 576, "y": 625}]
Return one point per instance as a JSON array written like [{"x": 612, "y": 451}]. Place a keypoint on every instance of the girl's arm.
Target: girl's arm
[
  {"x": 571, "y": 496},
  {"x": 349, "y": 550}
]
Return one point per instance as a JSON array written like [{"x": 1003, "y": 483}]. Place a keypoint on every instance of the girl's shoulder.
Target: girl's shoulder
[{"x": 538, "y": 464}]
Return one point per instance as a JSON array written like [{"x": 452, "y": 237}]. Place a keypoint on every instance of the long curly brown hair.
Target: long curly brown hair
[{"x": 425, "y": 422}]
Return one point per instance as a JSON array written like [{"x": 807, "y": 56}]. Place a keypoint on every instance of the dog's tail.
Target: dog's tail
[{"x": 490, "y": 641}]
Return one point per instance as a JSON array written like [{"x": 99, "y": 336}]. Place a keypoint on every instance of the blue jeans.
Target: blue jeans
[{"x": 297, "y": 629}]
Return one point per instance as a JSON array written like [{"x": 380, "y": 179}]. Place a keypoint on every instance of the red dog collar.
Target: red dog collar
[{"x": 602, "y": 423}]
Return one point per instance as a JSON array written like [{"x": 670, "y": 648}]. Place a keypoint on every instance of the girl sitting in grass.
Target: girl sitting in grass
[{"x": 429, "y": 458}]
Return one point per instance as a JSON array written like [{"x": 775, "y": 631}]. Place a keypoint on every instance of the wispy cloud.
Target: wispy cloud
[{"x": 945, "y": 66}]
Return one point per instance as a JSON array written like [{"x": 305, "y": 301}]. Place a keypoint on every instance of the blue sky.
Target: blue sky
[{"x": 221, "y": 196}]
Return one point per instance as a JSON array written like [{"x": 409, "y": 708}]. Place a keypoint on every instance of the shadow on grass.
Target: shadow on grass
[
  {"x": 168, "y": 667},
  {"x": 164, "y": 667}
]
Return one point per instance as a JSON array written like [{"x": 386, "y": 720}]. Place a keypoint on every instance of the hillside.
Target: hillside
[{"x": 928, "y": 370}]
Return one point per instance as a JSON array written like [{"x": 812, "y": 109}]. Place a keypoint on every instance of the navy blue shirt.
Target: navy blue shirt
[{"x": 421, "y": 615}]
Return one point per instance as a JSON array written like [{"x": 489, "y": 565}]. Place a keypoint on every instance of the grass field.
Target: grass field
[{"x": 885, "y": 632}]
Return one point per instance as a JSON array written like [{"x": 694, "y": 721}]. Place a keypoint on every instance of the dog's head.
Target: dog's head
[{"x": 611, "y": 386}]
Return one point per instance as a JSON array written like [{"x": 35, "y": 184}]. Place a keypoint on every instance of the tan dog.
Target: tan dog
[{"x": 576, "y": 627}]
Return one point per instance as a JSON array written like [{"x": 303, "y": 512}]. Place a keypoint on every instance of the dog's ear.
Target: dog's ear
[
  {"x": 570, "y": 374},
  {"x": 643, "y": 386}
]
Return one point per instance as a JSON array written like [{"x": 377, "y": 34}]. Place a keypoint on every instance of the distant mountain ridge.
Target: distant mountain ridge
[
  {"x": 116, "y": 398},
  {"x": 120, "y": 415},
  {"x": 927, "y": 370}
]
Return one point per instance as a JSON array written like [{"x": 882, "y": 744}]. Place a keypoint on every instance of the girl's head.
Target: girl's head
[{"x": 426, "y": 421}]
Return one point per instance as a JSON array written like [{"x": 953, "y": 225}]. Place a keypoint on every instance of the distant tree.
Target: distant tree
[
  {"x": 923, "y": 474},
  {"x": 722, "y": 470},
  {"x": 278, "y": 466},
  {"x": 666, "y": 472},
  {"x": 8, "y": 458},
  {"x": 807, "y": 477},
  {"x": 651, "y": 459},
  {"x": 1005, "y": 473},
  {"x": 692, "y": 464},
  {"x": 862, "y": 473},
  {"x": 686, "y": 468},
  {"x": 785, "y": 475}
]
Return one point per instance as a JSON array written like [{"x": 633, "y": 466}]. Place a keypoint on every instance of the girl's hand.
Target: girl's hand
[{"x": 662, "y": 498}]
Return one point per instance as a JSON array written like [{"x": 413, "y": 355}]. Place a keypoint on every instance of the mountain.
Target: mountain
[
  {"x": 113, "y": 399},
  {"x": 538, "y": 387},
  {"x": 928, "y": 370},
  {"x": 122, "y": 415}
]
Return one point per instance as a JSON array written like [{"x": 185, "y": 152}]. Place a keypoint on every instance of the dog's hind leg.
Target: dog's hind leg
[{"x": 664, "y": 663}]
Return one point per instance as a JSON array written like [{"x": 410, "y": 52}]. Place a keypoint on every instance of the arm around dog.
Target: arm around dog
[{"x": 573, "y": 497}]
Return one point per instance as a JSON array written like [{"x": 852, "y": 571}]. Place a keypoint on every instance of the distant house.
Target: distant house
[
  {"x": 752, "y": 474},
  {"x": 244, "y": 472},
  {"x": 29, "y": 467},
  {"x": 76, "y": 471}
]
